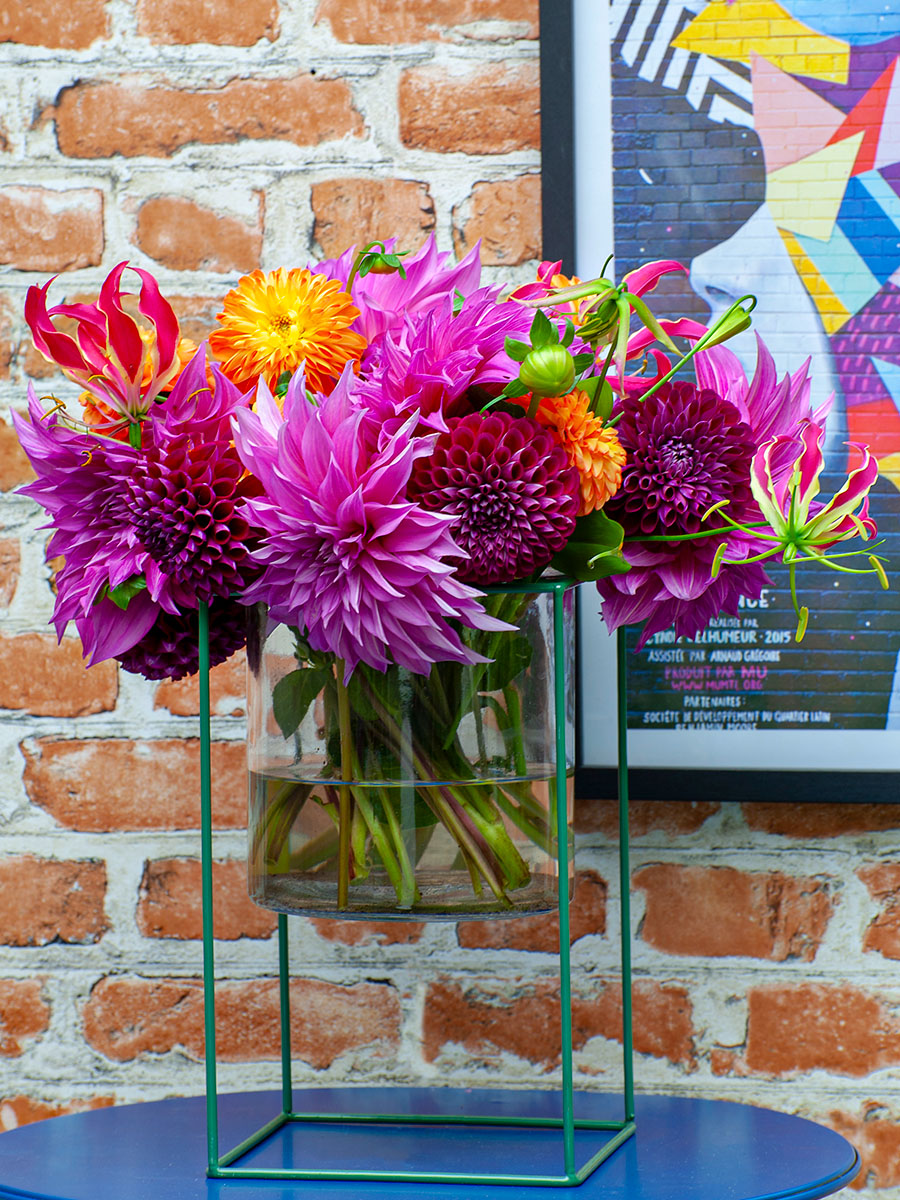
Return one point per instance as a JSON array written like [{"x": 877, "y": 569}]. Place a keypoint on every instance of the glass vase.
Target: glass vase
[{"x": 400, "y": 795}]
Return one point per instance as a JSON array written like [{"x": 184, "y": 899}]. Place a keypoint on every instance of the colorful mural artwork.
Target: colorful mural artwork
[{"x": 760, "y": 142}]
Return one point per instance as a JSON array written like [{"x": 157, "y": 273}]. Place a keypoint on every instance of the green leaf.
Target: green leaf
[
  {"x": 281, "y": 385},
  {"x": 294, "y": 693},
  {"x": 543, "y": 331},
  {"x": 594, "y": 549},
  {"x": 512, "y": 657},
  {"x": 569, "y": 333},
  {"x": 516, "y": 350},
  {"x": 602, "y": 403},
  {"x": 134, "y": 435},
  {"x": 458, "y": 302},
  {"x": 583, "y": 361},
  {"x": 122, "y": 595},
  {"x": 515, "y": 387}
]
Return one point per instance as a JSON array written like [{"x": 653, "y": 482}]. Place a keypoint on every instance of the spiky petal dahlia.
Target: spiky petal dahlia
[
  {"x": 510, "y": 488},
  {"x": 345, "y": 555},
  {"x": 273, "y": 323},
  {"x": 593, "y": 449},
  {"x": 160, "y": 520},
  {"x": 687, "y": 450}
]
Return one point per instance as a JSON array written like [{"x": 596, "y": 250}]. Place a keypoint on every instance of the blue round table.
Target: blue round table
[{"x": 683, "y": 1150}]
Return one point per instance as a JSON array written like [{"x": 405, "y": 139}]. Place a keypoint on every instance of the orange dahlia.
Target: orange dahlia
[
  {"x": 593, "y": 448},
  {"x": 273, "y": 323}
]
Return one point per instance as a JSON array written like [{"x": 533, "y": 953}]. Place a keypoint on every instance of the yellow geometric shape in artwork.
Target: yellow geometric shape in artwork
[
  {"x": 806, "y": 195},
  {"x": 829, "y": 308},
  {"x": 737, "y": 29},
  {"x": 889, "y": 468}
]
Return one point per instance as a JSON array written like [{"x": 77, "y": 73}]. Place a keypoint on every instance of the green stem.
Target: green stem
[{"x": 344, "y": 794}]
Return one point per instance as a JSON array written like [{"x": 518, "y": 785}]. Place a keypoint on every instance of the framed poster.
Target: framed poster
[{"x": 690, "y": 134}]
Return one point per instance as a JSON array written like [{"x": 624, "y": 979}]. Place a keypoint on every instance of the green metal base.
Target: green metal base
[
  {"x": 226, "y": 1170},
  {"x": 225, "y": 1166}
]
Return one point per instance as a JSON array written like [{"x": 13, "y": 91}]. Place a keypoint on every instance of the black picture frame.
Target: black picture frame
[{"x": 558, "y": 195}]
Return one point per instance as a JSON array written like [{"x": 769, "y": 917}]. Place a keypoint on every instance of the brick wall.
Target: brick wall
[{"x": 200, "y": 141}]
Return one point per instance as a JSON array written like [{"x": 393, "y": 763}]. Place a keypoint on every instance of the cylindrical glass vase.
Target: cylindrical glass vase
[{"x": 403, "y": 795}]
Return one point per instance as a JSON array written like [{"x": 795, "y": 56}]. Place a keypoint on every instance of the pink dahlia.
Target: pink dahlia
[
  {"x": 690, "y": 448},
  {"x": 384, "y": 301},
  {"x": 159, "y": 521},
  {"x": 365, "y": 572},
  {"x": 431, "y": 361},
  {"x": 510, "y": 489}
]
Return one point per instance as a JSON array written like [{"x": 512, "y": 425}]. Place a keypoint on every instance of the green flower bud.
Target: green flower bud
[{"x": 548, "y": 371}]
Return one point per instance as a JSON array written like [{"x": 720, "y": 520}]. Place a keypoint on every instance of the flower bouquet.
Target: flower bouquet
[{"x": 399, "y": 471}]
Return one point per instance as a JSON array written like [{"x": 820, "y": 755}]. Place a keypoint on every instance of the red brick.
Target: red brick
[
  {"x": 227, "y": 689},
  {"x": 372, "y": 22},
  {"x": 369, "y": 933},
  {"x": 57, "y": 26},
  {"x": 129, "y": 1018},
  {"x": 718, "y": 911},
  {"x": 97, "y": 785},
  {"x": 675, "y": 818},
  {"x": 184, "y": 236},
  {"x": 50, "y": 680},
  {"x": 506, "y": 217},
  {"x": 487, "y": 1022},
  {"x": 43, "y": 900},
  {"x": 820, "y": 1027},
  {"x": 587, "y": 915},
  {"x": 349, "y": 211},
  {"x": 46, "y": 230},
  {"x": 877, "y": 1138},
  {"x": 170, "y": 903},
  {"x": 215, "y": 22},
  {"x": 882, "y": 935},
  {"x": 24, "y": 1014},
  {"x": 157, "y": 121},
  {"x": 15, "y": 469},
  {"x": 820, "y": 820},
  {"x": 23, "y": 1110},
  {"x": 489, "y": 110},
  {"x": 9, "y": 570}
]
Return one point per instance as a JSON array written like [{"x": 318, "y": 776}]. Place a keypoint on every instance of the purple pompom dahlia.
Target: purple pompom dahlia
[
  {"x": 511, "y": 488},
  {"x": 170, "y": 651},
  {"x": 687, "y": 450}
]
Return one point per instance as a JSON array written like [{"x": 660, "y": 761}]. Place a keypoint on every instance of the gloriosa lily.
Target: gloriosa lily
[
  {"x": 108, "y": 356},
  {"x": 784, "y": 479}
]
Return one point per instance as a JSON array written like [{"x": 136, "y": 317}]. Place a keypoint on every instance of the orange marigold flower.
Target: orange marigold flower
[
  {"x": 593, "y": 448},
  {"x": 273, "y": 323}
]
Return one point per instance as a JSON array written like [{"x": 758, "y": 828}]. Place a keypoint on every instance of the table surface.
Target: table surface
[{"x": 684, "y": 1149}]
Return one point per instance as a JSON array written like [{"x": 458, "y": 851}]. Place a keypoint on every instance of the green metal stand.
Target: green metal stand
[{"x": 226, "y": 1166}]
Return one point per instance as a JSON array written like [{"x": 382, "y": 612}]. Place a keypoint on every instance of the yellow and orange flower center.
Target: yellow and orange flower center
[
  {"x": 273, "y": 322},
  {"x": 593, "y": 448}
]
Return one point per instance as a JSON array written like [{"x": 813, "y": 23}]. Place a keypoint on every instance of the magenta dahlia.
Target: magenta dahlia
[
  {"x": 431, "y": 361},
  {"x": 364, "y": 571},
  {"x": 510, "y": 489},
  {"x": 160, "y": 520},
  {"x": 688, "y": 449}
]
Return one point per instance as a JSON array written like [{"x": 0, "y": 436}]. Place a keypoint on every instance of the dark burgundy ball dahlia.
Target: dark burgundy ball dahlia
[
  {"x": 512, "y": 490},
  {"x": 183, "y": 508},
  {"x": 169, "y": 650},
  {"x": 687, "y": 449}
]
